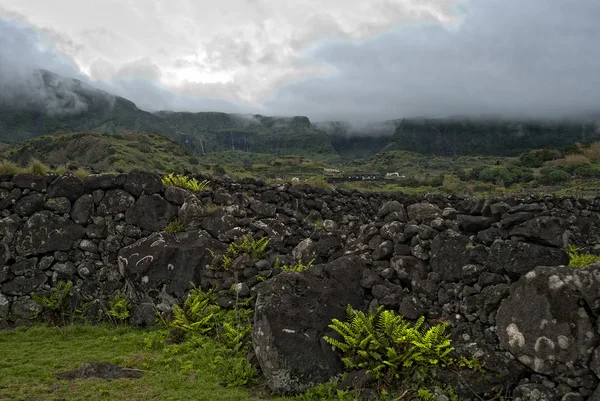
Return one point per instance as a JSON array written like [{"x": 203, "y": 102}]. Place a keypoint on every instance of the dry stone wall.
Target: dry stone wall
[{"x": 493, "y": 268}]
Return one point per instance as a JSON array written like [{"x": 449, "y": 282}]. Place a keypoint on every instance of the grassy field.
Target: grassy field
[{"x": 31, "y": 358}]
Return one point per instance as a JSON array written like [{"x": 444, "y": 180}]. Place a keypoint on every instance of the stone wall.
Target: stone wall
[{"x": 477, "y": 264}]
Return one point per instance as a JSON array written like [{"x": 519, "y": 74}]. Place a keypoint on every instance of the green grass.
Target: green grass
[{"x": 32, "y": 357}]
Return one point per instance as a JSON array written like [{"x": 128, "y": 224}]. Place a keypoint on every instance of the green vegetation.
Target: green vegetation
[
  {"x": 578, "y": 259},
  {"x": 175, "y": 226},
  {"x": 55, "y": 307},
  {"x": 37, "y": 167},
  {"x": 104, "y": 152},
  {"x": 185, "y": 182},
  {"x": 119, "y": 309},
  {"x": 32, "y": 358},
  {"x": 298, "y": 267},
  {"x": 247, "y": 246},
  {"x": 388, "y": 346}
]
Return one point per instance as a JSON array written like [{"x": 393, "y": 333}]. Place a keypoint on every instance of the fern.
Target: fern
[
  {"x": 119, "y": 309},
  {"x": 388, "y": 346},
  {"x": 578, "y": 259},
  {"x": 182, "y": 181},
  {"x": 54, "y": 307},
  {"x": 298, "y": 267},
  {"x": 248, "y": 246}
]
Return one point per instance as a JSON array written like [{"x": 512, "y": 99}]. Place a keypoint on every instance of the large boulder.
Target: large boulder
[
  {"x": 30, "y": 181},
  {"x": 143, "y": 182},
  {"x": 516, "y": 258},
  {"x": 46, "y": 232},
  {"x": 170, "y": 260},
  {"x": 104, "y": 181},
  {"x": 293, "y": 311},
  {"x": 544, "y": 324},
  {"x": 8, "y": 231},
  {"x": 28, "y": 205},
  {"x": 451, "y": 251},
  {"x": 423, "y": 212},
  {"x": 546, "y": 230},
  {"x": 151, "y": 212},
  {"x": 67, "y": 186},
  {"x": 83, "y": 209},
  {"x": 115, "y": 201}
]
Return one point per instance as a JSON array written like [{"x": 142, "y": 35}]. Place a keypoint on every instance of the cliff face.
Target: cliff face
[{"x": 481, "y": 265}]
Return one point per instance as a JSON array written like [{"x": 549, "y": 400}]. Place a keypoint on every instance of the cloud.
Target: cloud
[
  {"x": 506, "y": 57},
  {"x": 327, "y": 59}
]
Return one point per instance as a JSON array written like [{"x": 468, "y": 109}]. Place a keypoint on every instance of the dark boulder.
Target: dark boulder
[
  {"x": 423, "y": 212},
  {"x": 451, "y": 251},
  {"x": 170, "y": 260},
  {"x": 474, "y": 224},
  {"x": 516, "y": 258},
  {"x": 83, "y": 209},
  {"x": 46, "y": 232},
  {"x": 218, "y": 225},
  {"x": 67, "y": 186},
  {"x": 115, "y": 201},
  {"x": 58, "y": 205},
  {"x": 143, "y": 182},
  {"x": 104, "y": 181},
  {"x": 176, "y": 195},
  {"x": 544, "y": 325},
  {"x": 391, "y": 207},
  {"x": 546, "y": 230},
  {"x": 293, "y": 311},
  {"x": 7, "y": 199},
  {"x": 8, "y": 231},
  {"x": 28, "y": 205},
  {"x": 30, "y": 181},
  {"x": 191, "y": 212},
  {"x": 151, "y": 212}
]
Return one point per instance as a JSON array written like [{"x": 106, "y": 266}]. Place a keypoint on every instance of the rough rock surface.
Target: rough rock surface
[
  {"x": 544, "y": 324},
  {"x": 293, "y": 311},
  {"x": 168, "y": 261}
]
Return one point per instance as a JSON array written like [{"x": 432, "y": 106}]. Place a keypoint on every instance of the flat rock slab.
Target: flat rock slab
[{"x": 100, "y": 370}]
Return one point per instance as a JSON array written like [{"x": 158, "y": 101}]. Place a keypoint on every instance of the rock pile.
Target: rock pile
[{"x": 493, "y": 269}]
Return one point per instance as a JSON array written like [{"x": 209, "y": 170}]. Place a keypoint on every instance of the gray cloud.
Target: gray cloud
[
  {"x": 445, "y": 57},
  {"x": 507, "y": 57}
]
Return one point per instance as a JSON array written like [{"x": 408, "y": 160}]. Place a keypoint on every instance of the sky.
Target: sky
[{"x": 325, "y": 59}]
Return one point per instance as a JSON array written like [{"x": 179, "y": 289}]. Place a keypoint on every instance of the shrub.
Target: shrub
[
  {"x": 577, "y": 259},
  {"x": 119, "y": 309},
  {"x": 248, "y": 246},
  {"x": 8, "y": 167},
  {"x": 592, "y": 152},
  {"x": 55, "y": 307},
  {"x": 200, "y": 315},
  {"x": 388, "y": 346},
  {"x": 175, "y": 226},
  {"x": 451, "y": 183},
  {"x": 537, "y": 158},
  {"x": 576, "y": 160},
  {"x": 553, "y": 175},
  {"x": 61, "y": 169},
  {"x": 81, "y": 173},
  {"x": 37, "y": 167},
  {"x": 185, "y": 182}
]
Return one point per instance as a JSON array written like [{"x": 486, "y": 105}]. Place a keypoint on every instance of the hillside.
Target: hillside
[
  {"x": 206, "y": 133},
  {"x": 106, "y": 152},
  {"x": 466, "y": 136},
  {"x": 69, "y": 105}
]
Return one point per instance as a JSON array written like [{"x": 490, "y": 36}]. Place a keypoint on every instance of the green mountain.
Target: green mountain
[
  {"x": 206, "y": 133},
  {"x": 59, "y": 104},
  {"x": 469, "y": 136},
  {"x": 103, "y": 152},
  {"x": 69, "y": 105}
]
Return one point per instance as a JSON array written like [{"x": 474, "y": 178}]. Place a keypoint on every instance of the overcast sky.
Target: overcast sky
[{"x": 327, "y": 59}]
